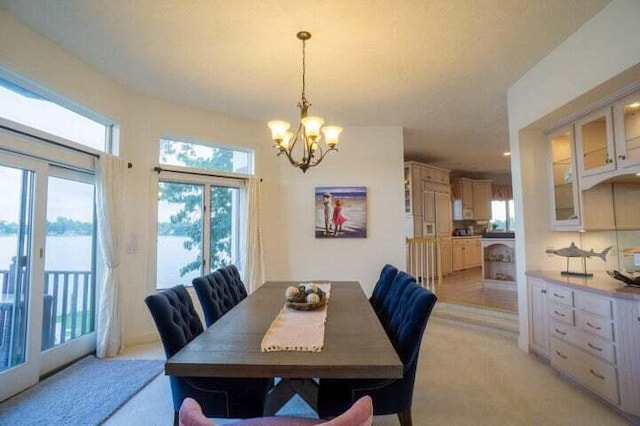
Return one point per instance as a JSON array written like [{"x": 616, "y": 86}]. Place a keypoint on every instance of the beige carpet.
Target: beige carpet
[{"x": 465, "y": 377}]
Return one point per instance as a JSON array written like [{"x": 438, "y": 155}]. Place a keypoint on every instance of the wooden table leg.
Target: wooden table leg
[{"x": 285, "y": 389}]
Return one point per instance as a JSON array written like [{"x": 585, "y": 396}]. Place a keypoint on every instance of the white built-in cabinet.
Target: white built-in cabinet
[
  {"x": 607, "y": 142},
  {"x": 590, "y": 337}
]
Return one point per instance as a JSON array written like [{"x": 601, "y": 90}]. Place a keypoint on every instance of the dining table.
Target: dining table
[{"x": 355, "y": 345}]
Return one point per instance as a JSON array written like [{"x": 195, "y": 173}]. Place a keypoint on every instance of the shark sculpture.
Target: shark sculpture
[{"x": 574, "y": 251}]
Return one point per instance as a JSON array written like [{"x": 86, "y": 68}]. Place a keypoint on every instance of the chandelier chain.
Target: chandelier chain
[{"x": 304, "y": 68}]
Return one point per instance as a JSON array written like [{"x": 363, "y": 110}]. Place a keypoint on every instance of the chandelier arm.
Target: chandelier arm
[{"x": 322, "y": 157}]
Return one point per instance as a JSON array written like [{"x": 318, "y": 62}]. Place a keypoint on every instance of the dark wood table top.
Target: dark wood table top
[{"x": 356, "y": 345}]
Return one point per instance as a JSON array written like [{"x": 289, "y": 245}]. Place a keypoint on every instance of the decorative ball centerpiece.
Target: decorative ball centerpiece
[{"x": 305, "y": 297}]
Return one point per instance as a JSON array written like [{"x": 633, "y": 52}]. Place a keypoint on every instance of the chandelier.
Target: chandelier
[{"x": 308, "y": 134}]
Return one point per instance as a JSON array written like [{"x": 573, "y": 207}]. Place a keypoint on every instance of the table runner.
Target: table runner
[{"x": 294, "y": 330}]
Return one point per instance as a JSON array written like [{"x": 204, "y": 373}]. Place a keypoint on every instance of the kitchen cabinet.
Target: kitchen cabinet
[
  {"x": 427, "y": 201},
  {"x": 482, "y": 196},
  {"x": 564, "y": 185},
  {"x": 608, "y": 142},
  {"x": 465, "y": 253},
  {"x": 589, "y": 332},
  {"x": 445, "y": 255},
  {"x": 626, "y": 113},
  {"x": 538, "y": 333},
  {"x": 594, "y": 143},
  {"x": 472, "y": 200}
]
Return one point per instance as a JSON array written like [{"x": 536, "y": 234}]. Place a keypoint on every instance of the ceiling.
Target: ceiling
[{"x": 438, "y": 68}]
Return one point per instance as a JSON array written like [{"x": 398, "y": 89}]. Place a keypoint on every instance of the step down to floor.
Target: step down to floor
[{"x": 503, "y": 323}]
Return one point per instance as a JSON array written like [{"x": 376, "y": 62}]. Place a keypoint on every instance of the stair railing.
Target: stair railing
[{"x": 424, "y": 261}]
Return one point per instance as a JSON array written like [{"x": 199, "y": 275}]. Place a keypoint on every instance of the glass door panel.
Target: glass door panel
[
  {"x": 180, "y": 233},
  {"x": 627, "y": 132},
  {"x": 594, "y": 138},
  {"x": 224, "y": 224},
  {"x": 69, "y": 281},
  {"x": 16, "y": 211}
]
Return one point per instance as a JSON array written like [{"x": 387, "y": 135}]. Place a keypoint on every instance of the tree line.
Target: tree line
[{"x": 68, "y": 227}]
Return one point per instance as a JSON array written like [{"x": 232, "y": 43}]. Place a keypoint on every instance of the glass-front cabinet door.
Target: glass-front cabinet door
[
  {"x": 626, "y": 115},
  {"x": 565, "y": 213},
  {"x": 594, "y": 143}
]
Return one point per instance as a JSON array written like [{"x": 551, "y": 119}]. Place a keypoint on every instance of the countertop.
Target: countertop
[
  {"x": 600, "y": 283},
  {"x": 463, "y": 237}
]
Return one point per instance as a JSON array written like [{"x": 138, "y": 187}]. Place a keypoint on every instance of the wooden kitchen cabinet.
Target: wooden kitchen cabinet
[
  {"x": 472, "y": 199},
  {"x": 466, "y": 253},
  {"x": 445, "y": 255},
  {"x": 482, "y": 196},
  {"x": 427, "y": 201}
]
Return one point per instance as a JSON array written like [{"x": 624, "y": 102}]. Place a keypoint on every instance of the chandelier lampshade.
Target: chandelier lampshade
[{"x": 304, "y": 143}]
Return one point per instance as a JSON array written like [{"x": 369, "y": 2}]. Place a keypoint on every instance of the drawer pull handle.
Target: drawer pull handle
[
  {"x": 593, "y": 326},
  {"x": 560, "y": 332},
  {"x": 559, "y": 314},
  {"x": 559, "y": 296},
  {"x": 594, "y": 347},
  {"x": 563, "y": 356},
  {"x": 599, "y": 376}
]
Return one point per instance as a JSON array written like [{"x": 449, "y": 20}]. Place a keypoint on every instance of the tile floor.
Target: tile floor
[{"x": 465, "y": 288}]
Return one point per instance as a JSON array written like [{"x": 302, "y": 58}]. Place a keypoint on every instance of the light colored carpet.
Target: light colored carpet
[
  {"x": 465, "y": 377},
  {"x": 85, "y": 393}
]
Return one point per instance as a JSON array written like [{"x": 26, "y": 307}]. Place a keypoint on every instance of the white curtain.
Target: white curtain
[
  {"x": 253, "y": 254},
  {"x": 110, "y": 185}
]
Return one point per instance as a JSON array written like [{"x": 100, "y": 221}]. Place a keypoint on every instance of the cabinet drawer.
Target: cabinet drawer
[
  {"x": 594, "y": 325},
  {"x": 593, "y": 304},
  {"x": 561, "y": 295},
  {"x": 588, "y": 342},
  {"x": 561, "y": 313},
  {"x": 592, "y": 372}
]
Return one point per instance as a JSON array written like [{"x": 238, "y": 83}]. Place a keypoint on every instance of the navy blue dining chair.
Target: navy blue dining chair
[
  {"x": 380, "y": 291},
  {"x": 218, "y": 292},
  {"x": 178, "y": 324},
  {"x": 406, "y": 311}
]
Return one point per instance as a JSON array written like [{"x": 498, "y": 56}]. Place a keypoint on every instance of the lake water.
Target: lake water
[{"x": 73, "y": 253}]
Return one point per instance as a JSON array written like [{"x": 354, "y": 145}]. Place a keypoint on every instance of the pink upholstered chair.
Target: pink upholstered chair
[{"x": 360, "y": 414}]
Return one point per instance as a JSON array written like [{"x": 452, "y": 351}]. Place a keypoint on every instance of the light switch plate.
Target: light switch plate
[{"x": 636, "y": 259}]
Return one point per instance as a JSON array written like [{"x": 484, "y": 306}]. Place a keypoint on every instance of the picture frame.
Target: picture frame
[{"x": 341, "y": 212}]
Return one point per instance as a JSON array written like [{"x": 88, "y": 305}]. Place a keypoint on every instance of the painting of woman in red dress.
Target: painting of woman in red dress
[{"x": 338, "y": 219}]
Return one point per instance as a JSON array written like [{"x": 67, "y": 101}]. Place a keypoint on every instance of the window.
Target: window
[
  {"x": 198, "y": 215},
  {"x": 503, "y": 215},
  {"x": 201, "y": 155},
  {"x": 33, "y": 110}
]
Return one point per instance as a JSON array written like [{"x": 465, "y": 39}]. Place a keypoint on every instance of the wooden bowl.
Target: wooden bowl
[{"x": 304, "y": 306}]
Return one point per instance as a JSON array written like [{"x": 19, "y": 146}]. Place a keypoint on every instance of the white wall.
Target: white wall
[
  {"x": 370, "y": 157},
  {"x": 602, "y": 48}
]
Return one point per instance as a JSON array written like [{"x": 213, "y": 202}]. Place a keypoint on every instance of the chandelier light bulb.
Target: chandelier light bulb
[
  {"x": 286, "y": 139},
  {"x": 278, "y": 129},
  {"x": 331, "y": 135},
  {"x": 312, "y": 126}
]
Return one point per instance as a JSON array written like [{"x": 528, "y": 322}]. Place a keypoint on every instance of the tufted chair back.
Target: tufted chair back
[
  {"x": 408, "y": 321},
  {"x": 383, "y": 286},
  {"x": 393, "y": 298},
  {"x": 236, "y": 286},
  {"x": 175, "y": 317}
]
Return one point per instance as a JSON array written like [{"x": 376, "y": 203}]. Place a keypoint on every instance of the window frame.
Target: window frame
[
  {"x": 508, "y": 225},
  {"x": 207, "y": 181},
  {"x": 249, "y": 151},
  {"x": 112, "y": 129}
]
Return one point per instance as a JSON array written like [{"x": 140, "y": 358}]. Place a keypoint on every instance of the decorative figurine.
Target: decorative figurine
[{"x": 574, "y": 251}]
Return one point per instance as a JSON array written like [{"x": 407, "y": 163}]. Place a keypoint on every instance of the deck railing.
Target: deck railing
[
  {"x": 424, "y": 261},
  {"x": 68, "y": 311}
]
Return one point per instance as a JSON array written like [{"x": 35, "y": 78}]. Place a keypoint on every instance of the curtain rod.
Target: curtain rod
[
  {"x": 159, "y": 169},
  {"x": 61, "y": 145}
]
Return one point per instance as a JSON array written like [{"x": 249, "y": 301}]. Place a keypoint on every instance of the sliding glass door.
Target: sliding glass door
[{"x": 47, "y": 269}]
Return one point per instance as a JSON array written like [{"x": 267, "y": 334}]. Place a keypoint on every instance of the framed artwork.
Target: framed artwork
[{"x": 341, "y": 212}]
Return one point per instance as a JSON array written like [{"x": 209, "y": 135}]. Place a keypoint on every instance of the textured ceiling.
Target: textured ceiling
[{"x": 438, "y": 68}]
